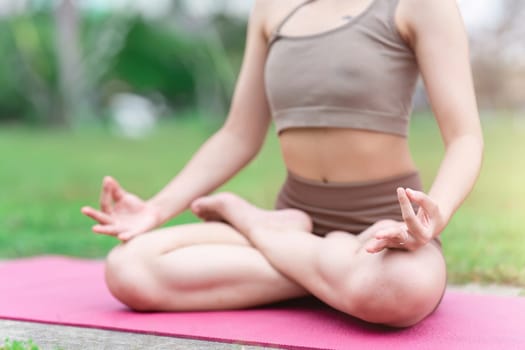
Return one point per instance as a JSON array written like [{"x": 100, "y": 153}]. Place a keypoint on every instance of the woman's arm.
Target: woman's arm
[
  {"x": 434, "y": 29},
  {"x": 436, "y": 32},
  {"x": 221, "y": 157}
]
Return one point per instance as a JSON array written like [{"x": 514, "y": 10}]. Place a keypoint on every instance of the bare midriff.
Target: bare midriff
[{"x": 344, "y": 155}]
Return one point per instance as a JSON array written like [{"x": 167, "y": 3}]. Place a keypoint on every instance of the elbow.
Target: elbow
[
  {"x": 245, "y": 145},
  {"x": 471, "y": 145},
  {"x": 479, "y": 141},
  {"x": 474, "y": 140},
  {"x": 478, "y": 137}
]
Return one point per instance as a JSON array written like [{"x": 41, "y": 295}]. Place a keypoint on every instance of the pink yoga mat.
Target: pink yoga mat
[{"x": 72, "y": 292}]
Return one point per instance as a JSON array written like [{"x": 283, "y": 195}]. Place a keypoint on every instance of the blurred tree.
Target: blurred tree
[
  {"x": 498, "y": 58},
  {"x": 70, "y": 67},
  {"x": 62, "y": 65},
  {"x": 189, "y": 68},
  {"x": 30, "y": 75},
  {"x": 223, "y": 45}
]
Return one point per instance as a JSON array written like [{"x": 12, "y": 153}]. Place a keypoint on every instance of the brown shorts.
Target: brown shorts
[{"x": 350, "y": 207}]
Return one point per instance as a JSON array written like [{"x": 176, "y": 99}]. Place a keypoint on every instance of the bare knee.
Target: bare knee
[
  {"x": 127, "y": 278},
  {"x": 398, "y": 297}
]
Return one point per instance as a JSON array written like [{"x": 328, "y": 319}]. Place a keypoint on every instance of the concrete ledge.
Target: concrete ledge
[
  {"x": 494, "y": 289},
  {"x": 53, "y": 337}
]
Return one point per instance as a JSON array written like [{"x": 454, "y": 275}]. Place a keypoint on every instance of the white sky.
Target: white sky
[{"x": 477, "y": 13}]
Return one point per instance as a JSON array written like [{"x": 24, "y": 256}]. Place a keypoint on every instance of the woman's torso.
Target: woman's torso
[{"x": 335, "y": 154}]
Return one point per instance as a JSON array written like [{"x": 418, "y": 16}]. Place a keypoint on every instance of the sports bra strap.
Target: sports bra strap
[{"x": 277, "y": 30}]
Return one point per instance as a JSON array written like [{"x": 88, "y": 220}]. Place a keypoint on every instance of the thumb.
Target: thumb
[{"x": 128, "y": 235}]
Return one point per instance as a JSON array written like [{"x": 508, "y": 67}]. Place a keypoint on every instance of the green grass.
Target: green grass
[
  {"x": 18, "y": 345},
  {"x": 46, "y": 176},
  {"x": 484, "y": 242}
]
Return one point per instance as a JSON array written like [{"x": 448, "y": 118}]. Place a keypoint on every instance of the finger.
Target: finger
[
  {"x": 399, "y": 239},
  {"x": 97, "y": 215},
  {"x": 378, "y": 226},
  {"x": 117, "y": 191},
  {"x": 396, "y": 235},
  {"x": 423, "y": 200},
  {"x": 376, "y": 245},
  {"x": 105, "y": 196},
  {"x": 126, "y": 236},
  {"x": 110, "y": 230},
  {"x": 407, "y": 211}
]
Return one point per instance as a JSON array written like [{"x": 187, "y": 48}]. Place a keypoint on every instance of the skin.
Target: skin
[{"x": 391, "y": 273}]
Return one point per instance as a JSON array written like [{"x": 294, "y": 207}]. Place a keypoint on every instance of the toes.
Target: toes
[
  {"x": 207, "y": 208},
  {"x": 196, "y": 206}
]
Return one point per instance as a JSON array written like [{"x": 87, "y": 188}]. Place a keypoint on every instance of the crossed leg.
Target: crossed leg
[
  {"x": 393, "y": 287},
  {"x": 205, "y": 266},
  {"x": 271, "y": 256}
]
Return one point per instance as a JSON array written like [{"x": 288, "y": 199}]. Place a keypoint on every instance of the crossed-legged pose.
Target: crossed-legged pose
[{"x": 352, "y": 225}]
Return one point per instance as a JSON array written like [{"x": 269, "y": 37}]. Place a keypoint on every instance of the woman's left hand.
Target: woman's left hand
[{"x": 416, "y": 230}]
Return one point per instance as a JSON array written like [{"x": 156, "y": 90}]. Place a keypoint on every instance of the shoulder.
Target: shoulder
[
  {"x": 261, "y": 7},
  {"x": 415, "y": 17},
  {"x": 258, "y": 17},
  {"x": 270, "y": 13},
  {"x": 415, "y": 9}
]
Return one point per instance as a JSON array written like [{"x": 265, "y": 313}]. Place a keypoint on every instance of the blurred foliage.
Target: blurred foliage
[
  {"x": 155, "y": 60},
  {"x": 28, "y": 78},
  {"x": 175, "y": 62}
]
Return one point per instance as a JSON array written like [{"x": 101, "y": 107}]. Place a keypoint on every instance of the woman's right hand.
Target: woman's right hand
[{"x": 122, "y": 214}]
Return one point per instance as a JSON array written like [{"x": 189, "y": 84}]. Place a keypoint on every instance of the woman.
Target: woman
[{"x": 353, "y": 227}]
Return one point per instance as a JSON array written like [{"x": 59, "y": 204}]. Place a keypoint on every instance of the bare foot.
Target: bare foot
[{"x": 245, "y": 216}]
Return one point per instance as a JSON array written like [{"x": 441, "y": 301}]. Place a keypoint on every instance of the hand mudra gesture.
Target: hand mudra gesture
[
  {"x": 122, "y": 214},
  {"x": 415, "y": 231}
]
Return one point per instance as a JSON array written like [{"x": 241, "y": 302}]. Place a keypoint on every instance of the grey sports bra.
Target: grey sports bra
[{"x": 359, "y": 75}]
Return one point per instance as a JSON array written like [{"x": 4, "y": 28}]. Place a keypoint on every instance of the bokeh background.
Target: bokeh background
[{"x": 131, "y": 88}]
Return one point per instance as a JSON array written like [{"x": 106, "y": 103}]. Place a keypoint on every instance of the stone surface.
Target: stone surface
[
  {"x": 494, "y": 289},
  {"x": 53, "y": 337}
]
